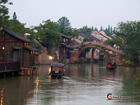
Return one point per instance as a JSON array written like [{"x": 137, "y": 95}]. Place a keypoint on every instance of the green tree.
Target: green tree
[
  {"x": 109, "y": 30},
  {"x": 85, "y": 30},
  {"x": 18, "y": 27},
  {"x": 65, "y": 28},
  {"x": 3, "y": 13},
  {"x": 130, "y": 32},
  {"x": 48, "y": 32},
  {"x": 71, "y": 32},
  {"x": 49, "y": 35},
  {"x": 64, "y": 24},
  {"x": 118, "y": 41},
  {"x": 87, "y": 39},
  {"x": 14, "y": 16},
  {"x": 101, "y": 28}
]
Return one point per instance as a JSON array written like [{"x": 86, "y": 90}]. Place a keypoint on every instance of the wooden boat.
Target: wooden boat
[{"x": 57, "y": 71}]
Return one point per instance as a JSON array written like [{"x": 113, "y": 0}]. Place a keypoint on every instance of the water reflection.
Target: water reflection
[
  {"x": 14, "y": 91},
  {"x": 1, "y": 97},
  {"x": 91, "y": 73},
  {"x": 129, "y": 89},
  {"x": 82, "y": 84}
]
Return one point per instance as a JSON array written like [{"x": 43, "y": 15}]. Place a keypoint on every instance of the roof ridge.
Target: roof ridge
[{"x": 14, "y": 34}]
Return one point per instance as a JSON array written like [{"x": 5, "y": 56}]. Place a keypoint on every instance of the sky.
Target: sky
[{"x": 79, "y": 12}]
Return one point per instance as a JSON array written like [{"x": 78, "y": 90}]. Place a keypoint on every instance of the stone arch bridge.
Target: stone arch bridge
[
  {"x": 98, "y": 45},
  {"x": 75, "y": 51}
]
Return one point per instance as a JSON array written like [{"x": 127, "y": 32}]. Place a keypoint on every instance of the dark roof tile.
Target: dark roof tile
[
  {"x": 89, "y": 36},
  {"x": 17, "y": 36}
]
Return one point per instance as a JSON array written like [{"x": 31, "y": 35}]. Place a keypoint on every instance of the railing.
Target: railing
[{"x": 9, "y": 67}]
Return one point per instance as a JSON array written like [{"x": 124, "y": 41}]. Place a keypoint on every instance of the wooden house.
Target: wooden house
[{"x": 15, "y": 52}]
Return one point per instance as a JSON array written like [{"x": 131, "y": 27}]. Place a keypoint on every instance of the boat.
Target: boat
[{"x": 57, "y": 71}]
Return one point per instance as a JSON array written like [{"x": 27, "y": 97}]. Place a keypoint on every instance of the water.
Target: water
[{"x": 83, "y": 84}]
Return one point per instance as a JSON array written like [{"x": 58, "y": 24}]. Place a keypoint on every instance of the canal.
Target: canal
[{"x": 83, "y": 84}]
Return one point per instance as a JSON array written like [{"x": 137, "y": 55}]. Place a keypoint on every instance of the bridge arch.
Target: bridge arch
[{"x": 111, "y": 52}]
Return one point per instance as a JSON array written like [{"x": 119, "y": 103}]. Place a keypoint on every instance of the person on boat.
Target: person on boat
[
  {"x": 109, "y": 65},
  {"x": 114, "y": 65},
  {"x": 61, "y": 70},
  {"x": 57, "y": 72}
]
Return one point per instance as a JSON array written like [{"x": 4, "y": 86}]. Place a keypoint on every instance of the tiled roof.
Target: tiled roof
[
  {"x": 15, "y": 35},
  {"x": 66, "y": 36},
  {"x": 89, "y": 36}
]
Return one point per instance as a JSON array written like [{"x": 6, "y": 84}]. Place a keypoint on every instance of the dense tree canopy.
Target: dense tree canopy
[
  {"x": 85, "y": 30},
  {"x": 3, "y": 12},
  {"x": 48, "y": 33},
  {"x": 13, "y": 23},
  {"x": 130, "y": 32},
  {"x": 17, "y": 26},
  {"x": 118, "y": 41},
  {"x": 109, "y": 30},
  {"x": 64, "y": 24}
]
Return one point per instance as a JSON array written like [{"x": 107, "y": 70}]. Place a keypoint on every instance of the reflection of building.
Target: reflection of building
[
  {"x": 15, "y": 52},
  {"x": 16, "y": 91}
]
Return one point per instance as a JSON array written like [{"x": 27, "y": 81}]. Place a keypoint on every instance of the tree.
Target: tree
[
  {"x": 101, "y": 28},
  {"x": 87, "y": 39},
  {"x": 130, "y": 32},
  {"x": 85, "y": 30},
  {"x": 3, "y": 12},
  {"x": 71, "y": 32},
  {"x": 15, "y": 25},
  {"x": 48, "y": 32},
  {"x": 118, "y": 41},
  {"x": 109, "y": 30},
  {"x": 64, "y": 24},
  {"x": 49, "y": 35},
  {"x": 14, "y": 16}
]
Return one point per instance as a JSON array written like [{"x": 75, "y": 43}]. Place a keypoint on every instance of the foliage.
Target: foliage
[
  {"x": 118, "y": 41},
  {"x": 87, "y": 39},
  {"x": 64, "y": 24},
  {"x": 85, "y": 29},
  {"x": 109, "y": 30},
  {"x": 14, "y": 16},
  {"x": 65, "y": 28},
  {"x": 130, "y": 32},
  {"x": 3, "y": 12},
  {"x": 17, "y": 26},
  {"x": 137, "y": 78},
  {"x": 48, "y": 33},
  {"x": 71, "y": 32}
]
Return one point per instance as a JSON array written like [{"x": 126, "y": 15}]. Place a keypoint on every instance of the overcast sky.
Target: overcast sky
[{"x": 79, "y": 12}]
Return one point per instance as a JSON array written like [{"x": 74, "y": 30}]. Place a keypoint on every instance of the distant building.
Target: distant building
[
  {"x": 85, "y": 37},
  {"x": 79, "y": 39},
  {"x": 101, "y": 35}
]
